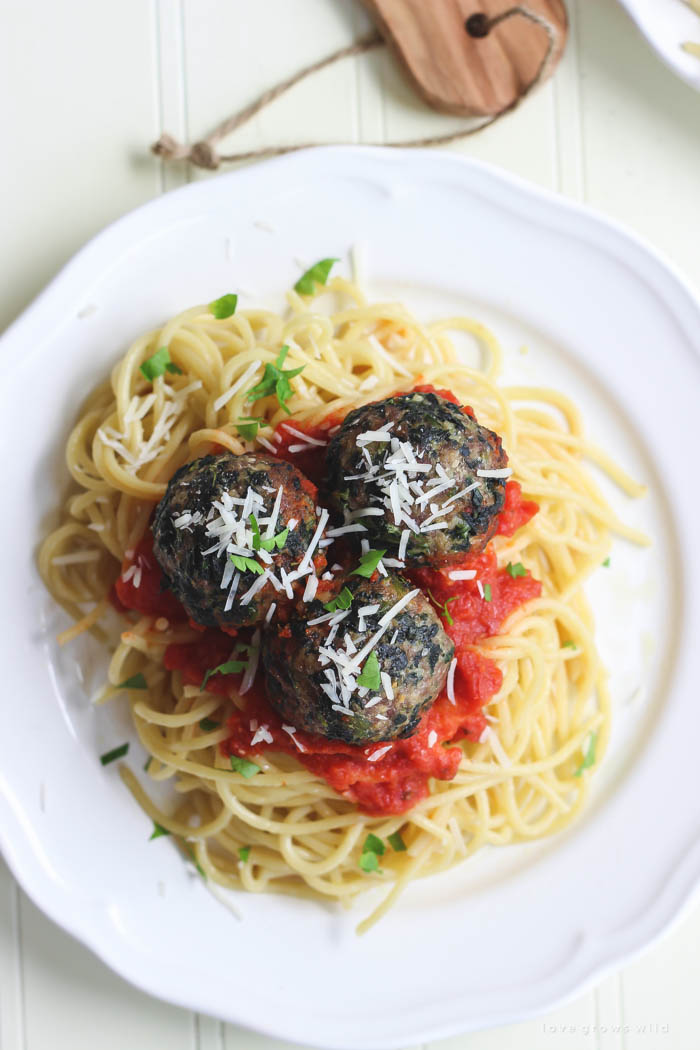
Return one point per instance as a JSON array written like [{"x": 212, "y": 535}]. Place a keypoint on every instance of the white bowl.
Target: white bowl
[{"x": 513, "y": 931}]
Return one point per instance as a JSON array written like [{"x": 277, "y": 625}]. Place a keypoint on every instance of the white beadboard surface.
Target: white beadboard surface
[{"x": 85, "y": 86}]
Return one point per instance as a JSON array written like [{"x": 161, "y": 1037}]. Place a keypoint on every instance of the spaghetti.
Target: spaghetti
[{"x": 286, "y": 829}]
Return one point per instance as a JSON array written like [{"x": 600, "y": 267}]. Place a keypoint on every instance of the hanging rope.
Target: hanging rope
[{"x": 204, "y": 154}]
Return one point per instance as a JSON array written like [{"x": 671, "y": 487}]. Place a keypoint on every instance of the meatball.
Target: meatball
[
  {"x": 309, "y": 683},
  {"x": 412, "y": 464},
  {"x": 210, "y": 537}
]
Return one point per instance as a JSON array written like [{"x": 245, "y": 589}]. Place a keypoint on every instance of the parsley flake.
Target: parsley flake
[
  {"x": 342, "y": 601},
  {"x": 487, "y": 592},
  {"x": 516, "y": 570},
  {"x": 316, "y": 274},
  {"x": 267, "y": 543},
  {"x": 369, "y": 862},
  {"x": 244, "y": 767},
  {"x": 373, "y": 844},
  {"x": 158, "y": 830},
  {"x": 569, "y": 644},
  {"x": 606, "y": 563},
  {"x": 247, "y": 564},
  {"x": 588, "y": 755},
  {"x": 275, "y": 380},
  {"x": 224, "y": 307},
  {"x": 158, "y": 364},
  {"x": 230, "y": 667},
  {"x": 397, "y": 843},
  {"x": 114, "y": 754},
  {"x": 368, "y": 563},
  {"x": 243, "y": 853},
  {"x": 248, "y": 426},
  {"x": 370, "y": 677},
  {"x": 442, "y": 606},
  {"x": 207, "y": 725},
  {"x": 137, "y": 681}
]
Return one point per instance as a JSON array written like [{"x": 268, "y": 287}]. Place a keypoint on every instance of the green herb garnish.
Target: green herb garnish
[
  {"x": 158, "y": 830},
  {"x": 267, "y": 543},
  {"x": 370, "y": 677},
  {"x": 224, "y": 307},
  {"x": 569, "y": 644},
  {"x": 516, "y": 570},
  {"x": 373, "y": 844},
  {"x": 114, "y": 754},
  {"x": 397, "y": 843},
  {"x": 606, "y": 563},
  {"x": 147, "y": 764},
  {"x": 243, "y": 853},
  {"x": 369, "y": 862},
  {"x": 442, "y": 607},
  {"x": 343, "y": 601},
  {"x": 207, "y": 725},
  {"x": 137, "y": 681},
  {"x": 316, "y": 274},
  {"x": 588, "y": 755},
  {"x": 487, "y": 592},
  {"x": 368, "y": 563},
  {"x": 244, "y": 767},
  {"x": 247, "y": 564},
  {"x": 372, "y": 849},
  {"x": 230, "y": 667},
  {"x": 275, "y": 380},
  {"x": 248, "y": 426},
  {"x": 158, "y": 364}
]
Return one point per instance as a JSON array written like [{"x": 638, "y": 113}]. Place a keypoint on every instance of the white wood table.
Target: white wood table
[{"x": 85, "y": 87}]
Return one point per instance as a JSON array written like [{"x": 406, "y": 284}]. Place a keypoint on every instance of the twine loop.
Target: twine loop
[{"x": 204, "y": 154}]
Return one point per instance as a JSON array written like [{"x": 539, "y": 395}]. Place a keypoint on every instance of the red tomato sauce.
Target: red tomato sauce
[{"x": 399, "y": 777}]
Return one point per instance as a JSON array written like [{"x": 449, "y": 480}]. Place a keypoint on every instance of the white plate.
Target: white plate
[
  {"x": 513, "y": 931},
  {"x": 667, "y": 25}
]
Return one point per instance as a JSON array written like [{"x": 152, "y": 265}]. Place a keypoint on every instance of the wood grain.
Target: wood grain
[{"x": 457, "y": 73}]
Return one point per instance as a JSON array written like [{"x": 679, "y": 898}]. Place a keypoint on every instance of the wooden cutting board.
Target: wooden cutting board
[{"x": 460, "y": 73}]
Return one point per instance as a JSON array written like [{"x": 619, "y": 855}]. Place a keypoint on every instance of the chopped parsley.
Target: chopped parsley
[
  {"x": 248, "y": 426},
  {"x": 368, "y": 563},
  {"x": 569, "y": 644},
  {"x": 516, "y": 570},
  {"x": 372, "y": 850},
  {"x": 243, "y": 853},
  {"x": 114, "y": 754},
  {"x": 316, "y": 274},
  {"x": 246, "y": 768},
  {"x": 224, "y": 306},
  {"x": 275, "y": 380},
  {"x": 207, "y": 725},
  {"x": 606, "y": 563},
  {"x": 397, "y": 843},
  {"x": 158, "y": 364},
  {"x": 343, "y": 601},
  {"x": 247, "y": 564},
  {"x": 137, "y": 681},
  {"x": 230, "y": 667},
  {"x": 158, "y": 830},
  {"x": 588, "y": 755},
  {"x": 442, "y": 607},
  {"x": 267, "y": 543},
  {"x": 487, "y": 592},
  {"x": 370, "y": 677},
  {"x": 369, "y": 861}
]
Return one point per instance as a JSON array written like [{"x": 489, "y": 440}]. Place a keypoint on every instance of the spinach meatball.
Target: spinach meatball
[
  {"x": 424, "y": 478},
  {"x": 229, "y": 532},
  {"x": 342, "y": 679}
]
